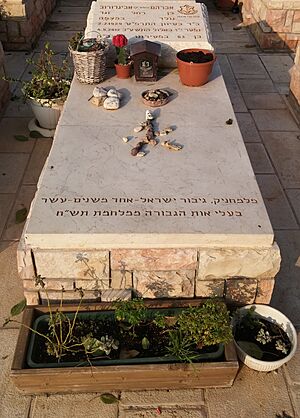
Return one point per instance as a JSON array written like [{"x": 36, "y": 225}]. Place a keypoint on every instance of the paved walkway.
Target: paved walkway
[{"x": 257, "y": 83}]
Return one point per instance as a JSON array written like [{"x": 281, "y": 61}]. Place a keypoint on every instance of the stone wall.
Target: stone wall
[
  {"x": 21, "y": 22},
  {"x": 295, "y": 84},
  {"x": 240, "y": 275},
  {"x": 274, "y": 23},
  {"x": 4, "y": 85}
]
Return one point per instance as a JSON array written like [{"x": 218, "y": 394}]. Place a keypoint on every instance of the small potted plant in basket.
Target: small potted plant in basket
[
  {"x": 89, "y": 57},
  {"x": 123, "y": 63}
]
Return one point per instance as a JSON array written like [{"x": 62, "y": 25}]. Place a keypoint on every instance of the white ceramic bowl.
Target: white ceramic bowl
[{"x": 275, "y": 316}]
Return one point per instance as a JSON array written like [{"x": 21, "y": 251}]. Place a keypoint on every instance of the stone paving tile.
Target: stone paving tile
[
  {"x": 9, "y": 127},
  {"x": 200, "y": 412},
  {"x": 247, "y": 127},
  {"x": 72, "y": 10},
  {"x": 37, "y": 161},
  {"x": 74, "y": 3},
  {"x": 284, "y": 150},
  {"x": 231, "y": 84},
  {"x": 254, "y": 394},
  {"x": 243, "y": 65},
  {"x": 274, "y": 120},
  {"x": 292, "y": 368},
  {"x": 282, "y": 88},
  {"x": 216, "y": 27},
  {"x": 236, "y": 98},
  {"x": 156, "y": 398},
  {"x": 72, "y": 406},
  {"x": 57, "y": 46},
  {"x": 55, "y": 35},
  {"x": 67, "y": 17},
  {"x": 12, "y": 170},
  {"x": 14, "y": 230},
  {"x": 278, "y": 66},
  {"x": 277, "y": 205},
  {"x": 264, "y": 101},
  {"x": 11, "y": 290},
  {"x": 226, "y": 70},
  {"x": 15, "y": 65},
  {"x": 64, "y": 26},
  {"x": 286, "y": 293},
  {"x": 260, "y": 161},
  {"x": 233, "y": 36},
  {"x": 17, "y": 107},
  {"x": 294, "y": 198},
  {"x": 295, "y": 392},
  {"x": 12, "y": 404},
  {"x": 249, "y": 85},
  {"x": 227, "y": 47},
  {"x": 6, "y": 202}
]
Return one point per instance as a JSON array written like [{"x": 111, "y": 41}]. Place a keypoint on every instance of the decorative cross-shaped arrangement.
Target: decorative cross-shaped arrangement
[{"x": 151, "y": 137}]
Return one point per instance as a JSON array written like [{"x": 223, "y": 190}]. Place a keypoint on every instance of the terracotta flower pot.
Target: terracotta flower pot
[
  {"x": 194, "y": 74},
  {"x": 123, "y": 71}
]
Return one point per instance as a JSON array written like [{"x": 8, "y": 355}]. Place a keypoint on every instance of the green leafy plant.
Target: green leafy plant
[
  {"x": 132, "y": 312},
  {"x": 49, "y": 80},
  {"x": 207, "y": 324},
  {"x": 59, "y": 337},
  {"x": 181, "y": 347}
]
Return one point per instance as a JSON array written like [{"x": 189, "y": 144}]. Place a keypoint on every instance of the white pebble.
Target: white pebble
[
  {"x": 114, "y": 93},
  {"x": 111, "y": 103},
  {"x": 141, "y": 154},
  {"x": 125, "y": 139},
  {"x": 149, "y": 115},
  {"x": 99, "y": 92}
]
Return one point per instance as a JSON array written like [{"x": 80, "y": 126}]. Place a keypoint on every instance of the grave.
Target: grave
[{"x": 169, "y": 224}]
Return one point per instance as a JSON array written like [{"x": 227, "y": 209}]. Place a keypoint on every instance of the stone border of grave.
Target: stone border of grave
[
  {"x": 21, "y": 22},
  {"x": 294, "y": 96},
  {"x": 239, "y": 275},
  {"x": 4, "y": 85},
  {"x": 274, "y": 23}
]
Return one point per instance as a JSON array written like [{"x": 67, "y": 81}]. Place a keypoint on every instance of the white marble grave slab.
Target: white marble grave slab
[
  {"x": 175, "y": 25},
  {"x": 94, "y": 194}
]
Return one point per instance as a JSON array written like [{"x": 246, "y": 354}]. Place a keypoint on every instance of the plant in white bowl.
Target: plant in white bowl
[
  {"x": 48, "y": 88},
  {"x": 264, "y": 337}
]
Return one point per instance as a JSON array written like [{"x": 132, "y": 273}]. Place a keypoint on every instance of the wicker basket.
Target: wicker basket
[{"x": 89, "y": 66}]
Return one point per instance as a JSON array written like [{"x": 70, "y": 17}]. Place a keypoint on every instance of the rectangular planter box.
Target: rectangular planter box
[{"x": 121, "y": 377}]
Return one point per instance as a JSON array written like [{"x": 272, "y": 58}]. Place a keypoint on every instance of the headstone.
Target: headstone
[{"x": 175, "y": 24}]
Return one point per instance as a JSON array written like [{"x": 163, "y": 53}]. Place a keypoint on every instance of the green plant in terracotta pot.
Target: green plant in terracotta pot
[{"x": 123, "y": 63}]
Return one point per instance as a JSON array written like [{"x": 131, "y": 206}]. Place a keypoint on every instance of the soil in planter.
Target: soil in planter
[
  {"x": 248, "y": 332},
  {"x": 197, "y": 57},
  {"x": 130, "y": 341}
]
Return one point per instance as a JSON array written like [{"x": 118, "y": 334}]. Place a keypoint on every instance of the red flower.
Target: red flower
[{"x": 119, "y": 41}]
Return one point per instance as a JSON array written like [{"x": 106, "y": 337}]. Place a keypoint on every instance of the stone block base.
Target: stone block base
[
  {"x": 4, "y": 85},
  {"x": 21, "y": 22},
  {"x": 274, "y": 23},
  {"x": 294, "y": 96},
  {"x": 240, "y": 275}
]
